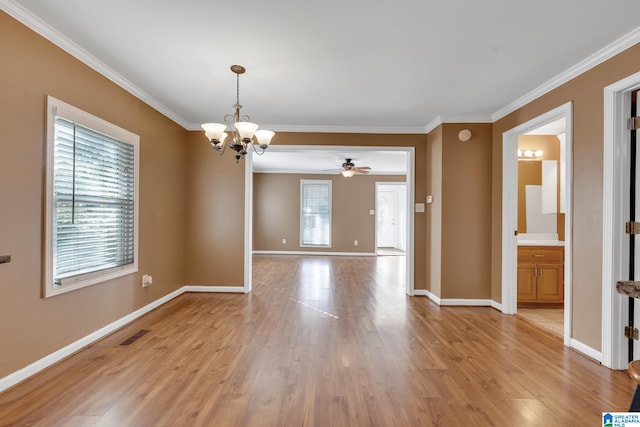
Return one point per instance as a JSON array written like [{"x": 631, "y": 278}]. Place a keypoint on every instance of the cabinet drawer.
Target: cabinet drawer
[{"x": 541, "y": 254}]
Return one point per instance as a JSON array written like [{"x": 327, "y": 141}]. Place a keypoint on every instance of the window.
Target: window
[
  {"x": 92, "y": 200},
  {"x": 315, "y": 213}
]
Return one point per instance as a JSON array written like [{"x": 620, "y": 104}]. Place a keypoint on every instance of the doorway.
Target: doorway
[
  {"x": 406, "y": 156},
  {"x": 541, "y": 217},
  {"x": 615, "y": 257},
  {"x": 510, "y": 211},
  {"x": 391, "y": 213}
]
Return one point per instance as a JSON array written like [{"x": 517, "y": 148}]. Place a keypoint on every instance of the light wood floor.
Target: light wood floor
[
  {"x": 330, "y": 341},
  {"x": 548, "y": 318}
]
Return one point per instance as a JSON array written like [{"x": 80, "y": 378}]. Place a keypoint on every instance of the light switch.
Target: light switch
[
  {"x": 429, "y": 199},
  {"x": 372, "y": 212},
  {"x": 419, "y": 207}
]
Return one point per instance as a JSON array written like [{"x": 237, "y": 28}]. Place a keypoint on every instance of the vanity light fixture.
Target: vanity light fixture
[{"x": 529, "y": 154}]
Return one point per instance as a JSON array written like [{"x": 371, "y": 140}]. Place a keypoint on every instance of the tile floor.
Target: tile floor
[{"x": 551, "y": 319}]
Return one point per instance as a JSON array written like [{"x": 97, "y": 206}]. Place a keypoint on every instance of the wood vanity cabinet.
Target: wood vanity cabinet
[{"x": 540, "y": 276}]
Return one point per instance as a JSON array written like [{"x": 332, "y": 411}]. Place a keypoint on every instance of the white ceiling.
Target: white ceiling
[
  {"x": 389, "y": 66},
  {"x": 335, "y": 65},
  {"x": 555, "y": 127},
  {"x": 328, "y": 160}
]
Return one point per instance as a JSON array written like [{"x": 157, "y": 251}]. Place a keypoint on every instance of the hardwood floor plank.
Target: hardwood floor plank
[{"x": 321, "y": 341}]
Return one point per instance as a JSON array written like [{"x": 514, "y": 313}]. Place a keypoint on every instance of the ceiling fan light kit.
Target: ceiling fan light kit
[
  {"x": 349, "y": 169},
  {"x": 244, "y": 133}
]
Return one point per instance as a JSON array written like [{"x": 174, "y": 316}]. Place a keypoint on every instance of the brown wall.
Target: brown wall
[
  {"x": 215, "y": 216},
  {"x": 33, "y": 327},
  {"x": 276, "y": 212},
  {"x": 466, "y": 212},
  {"x": 434, "y": 212},
  {"x": 586, "y": 93}
]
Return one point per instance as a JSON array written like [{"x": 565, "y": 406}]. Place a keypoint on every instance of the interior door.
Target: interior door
[
  {"x": 634, "y": 216},
  {"x": 387, "y": 201}
]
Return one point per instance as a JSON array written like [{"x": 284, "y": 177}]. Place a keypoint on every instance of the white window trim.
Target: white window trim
[
  {"x": 55, "y": 108},
  {"x": 316, "y": 181}
]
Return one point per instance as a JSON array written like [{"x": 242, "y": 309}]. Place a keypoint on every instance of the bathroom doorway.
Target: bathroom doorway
[
  {"x": 541, "y": 218},
  {"x": 539, "y": 272}
]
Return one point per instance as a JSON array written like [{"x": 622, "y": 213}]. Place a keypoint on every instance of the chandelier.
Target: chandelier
[{"x": 243, "y": 132}]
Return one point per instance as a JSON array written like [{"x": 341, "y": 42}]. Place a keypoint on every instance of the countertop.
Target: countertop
[
  {"x": 539, "y": 239},
  {"x": 540, "y": 243}
]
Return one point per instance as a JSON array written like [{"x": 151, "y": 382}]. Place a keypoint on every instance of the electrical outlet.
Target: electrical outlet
[
  {"x": 284, "y": 241},
  {"x": 146, "y": 280},
  {"x": 355, "y": 243}
]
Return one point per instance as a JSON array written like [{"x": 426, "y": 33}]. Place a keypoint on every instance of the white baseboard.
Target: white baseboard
[
  {"x": 51, "y": 359},
  {"x": 314, "y": 253},
  {"x": 433, "y": 297},
  {"x": 459, "y": 302},
  {"x": 497, "y": 305},
  {"x": 467, "y": 302},
  {"x": 47, "y": 361},
  {"x": 226, "y": 289},
  {"x": 586, "y": 350}
]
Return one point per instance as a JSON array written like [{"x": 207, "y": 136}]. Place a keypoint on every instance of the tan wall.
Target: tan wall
[
  {"x": 586, "y": 94},
  {"x": 33, "y": 327},
  {"x": 434, "y": 211},
  {"x": 276, "y": 212},
  {"x": 530, "y": 173},
  {"x": 215, "y": 216},
  {"x": 466, "y": 212}
]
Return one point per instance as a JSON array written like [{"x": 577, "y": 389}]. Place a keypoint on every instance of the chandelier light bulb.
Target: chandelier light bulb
[
  {"x": 214, "y": 131},
  {"x": 264, "y": 137},
  {"x": 222, "y": 138},
  {"x": 246, "y": 130}
]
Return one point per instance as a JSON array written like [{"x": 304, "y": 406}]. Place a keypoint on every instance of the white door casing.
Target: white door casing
[{"x": 510, "y": 211}]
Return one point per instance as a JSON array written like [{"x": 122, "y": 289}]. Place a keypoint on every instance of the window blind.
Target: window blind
[
  {"x": 94, "y": 195},
  {"x": 316, "y": 207}
]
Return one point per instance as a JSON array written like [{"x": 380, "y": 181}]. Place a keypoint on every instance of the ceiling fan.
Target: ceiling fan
[{"x": 349, "y": 169}]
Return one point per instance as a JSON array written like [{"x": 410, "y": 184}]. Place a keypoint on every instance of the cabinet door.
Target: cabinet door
[
  {"x": 526, "y": 282},
  {"x": 550, "y": 283}
]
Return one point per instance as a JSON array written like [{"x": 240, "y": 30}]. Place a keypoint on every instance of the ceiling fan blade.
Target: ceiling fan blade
[{"x": 361, "y": 171}]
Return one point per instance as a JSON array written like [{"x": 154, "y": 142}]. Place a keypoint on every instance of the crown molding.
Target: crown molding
[
  {"x": 336, "y": 129},
  {"x": 609, "y": 51},
  {"x": 45, "y": 30},
  {"x": 471, "y": 118},
  {"x": 433, "y": 124}
]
